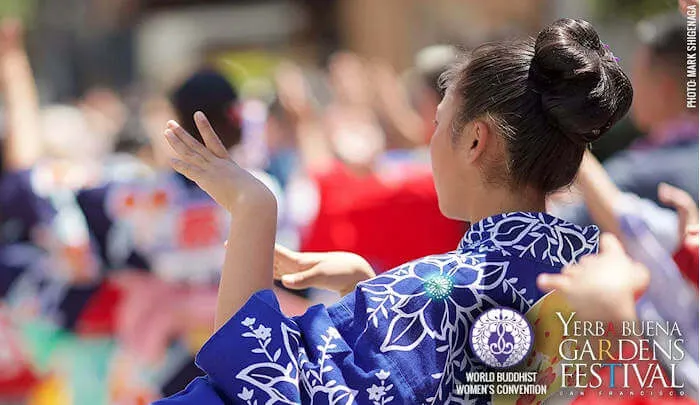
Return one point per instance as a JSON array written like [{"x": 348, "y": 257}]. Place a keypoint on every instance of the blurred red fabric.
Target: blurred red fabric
[
  {"x": 687, "y": 257},
  {"x": 389, "y": 218},
  {"x": 17, "y": 376},
  {"x": 99, "y": 316}
]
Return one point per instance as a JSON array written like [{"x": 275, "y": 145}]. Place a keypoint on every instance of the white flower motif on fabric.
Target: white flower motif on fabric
[
  {"x": 379, "y": 394},
  {"x": 269, "y": 376},
  {"x": 247, "y": 395},
  {"x": 532, "y": 235},
  {"x": 396, "y": 293}
]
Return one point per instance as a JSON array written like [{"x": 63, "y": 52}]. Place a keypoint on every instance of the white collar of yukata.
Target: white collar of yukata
[{"x": 534, "y": 235}]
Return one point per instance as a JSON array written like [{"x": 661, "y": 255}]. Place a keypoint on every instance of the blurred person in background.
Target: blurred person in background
[
  {"x": 351, "y": 191},
  {"x": 21, "y": 146},
  {"x": 429, "y": 64},
  {"x": 668, "y": 152},
  {"x": 497, "y": 151},
  {"x": 126, "y": 217},
  {"x": 21, "y": 210},
  {"x": 163, "y": 225},
  {"x": 28, "y": 264},
  {"x": 606, "y": 203},
  {"x": 96, "y": 225},
  {"x": 73, "y": 143},
  {"x": 403, "y": 125},
  {"x": 283, "y": 161},
  {"x": 171, "y": 229}
]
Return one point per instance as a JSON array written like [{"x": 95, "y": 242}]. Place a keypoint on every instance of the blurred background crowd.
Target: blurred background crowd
[{"x": 109, "y": 260}]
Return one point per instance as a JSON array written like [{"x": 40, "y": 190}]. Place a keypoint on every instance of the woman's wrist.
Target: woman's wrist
[{"x": 258, "y": 200}]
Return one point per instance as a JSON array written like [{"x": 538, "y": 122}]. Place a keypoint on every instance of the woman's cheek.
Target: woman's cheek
[{"x": 434, "y": 158}]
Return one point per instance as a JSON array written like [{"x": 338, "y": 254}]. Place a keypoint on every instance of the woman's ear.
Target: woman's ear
[{"x": 476, "y": 138}]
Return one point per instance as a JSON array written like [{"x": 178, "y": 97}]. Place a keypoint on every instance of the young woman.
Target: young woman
[{"x": 513, "y": 127}]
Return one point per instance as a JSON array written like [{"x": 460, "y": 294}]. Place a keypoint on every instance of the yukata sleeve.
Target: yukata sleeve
[
  {"x": 262, "y": 356},
  {"x": 398, "y": 338}
]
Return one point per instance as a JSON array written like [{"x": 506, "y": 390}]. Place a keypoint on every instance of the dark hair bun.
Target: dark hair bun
[{"x": 582, "y": 88}]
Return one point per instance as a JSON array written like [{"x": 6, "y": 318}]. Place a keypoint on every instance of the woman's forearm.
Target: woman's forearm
[
  {"x": 249, "y": 255},
  {"x": 600, "y": 194}
]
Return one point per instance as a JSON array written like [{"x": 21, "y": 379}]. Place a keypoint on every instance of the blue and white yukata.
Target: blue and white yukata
[{"x": 400, "y": 338}]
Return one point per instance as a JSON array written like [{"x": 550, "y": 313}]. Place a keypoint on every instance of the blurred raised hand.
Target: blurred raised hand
[
  {"x": 349, "y": 80},
  {"x": 405, "y": 125},
  {"x": 211, "y": 167},
  {"x": 22, "y": 147},
  {"x": 602, "y": 286},
  {"x": 11, "y": 34},
  {"x": 685, "y": 207},
  {"x": 295, "y": 97},
  {"x": 293, "y": 91},
  {"x": 335, "y": 271}
]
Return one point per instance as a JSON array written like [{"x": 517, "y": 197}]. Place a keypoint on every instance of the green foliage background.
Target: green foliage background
[
  {"x": 22, "y": 9},
  {"x": 634, "y": 10}
]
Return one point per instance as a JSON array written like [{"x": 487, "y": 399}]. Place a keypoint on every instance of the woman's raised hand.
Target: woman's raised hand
[{"x": 211, "y": 167}]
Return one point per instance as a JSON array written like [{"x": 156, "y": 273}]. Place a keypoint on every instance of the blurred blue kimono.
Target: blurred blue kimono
[{"x": 400, "y": 338}]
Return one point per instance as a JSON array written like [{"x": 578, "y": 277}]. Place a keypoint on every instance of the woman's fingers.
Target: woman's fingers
[
  {"x": 211, "y": 140},
  {"x": 609, "y": 244},
  {"x": 641, "y": 278},
  {"x": 188, "y": 170},
  {"x": 301, "y": 280},
  {"x": 184, "y": 152},
  {"x": 285, "y": 261},
  {"x": 570, "y": 270},
  {"x": 548, "y": 282},
  {"x": 189, "y": 141},
  {"x": 285, "y": 252}
]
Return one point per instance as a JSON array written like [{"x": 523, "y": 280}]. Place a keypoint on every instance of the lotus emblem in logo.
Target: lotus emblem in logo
[{"x": 501, "y": 337}]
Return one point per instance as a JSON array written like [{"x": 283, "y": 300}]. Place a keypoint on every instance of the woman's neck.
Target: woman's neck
[{"x": 498, "y": 201}]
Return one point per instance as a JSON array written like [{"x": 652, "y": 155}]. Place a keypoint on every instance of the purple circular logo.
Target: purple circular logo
[{"x": 501, "y": 337}]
